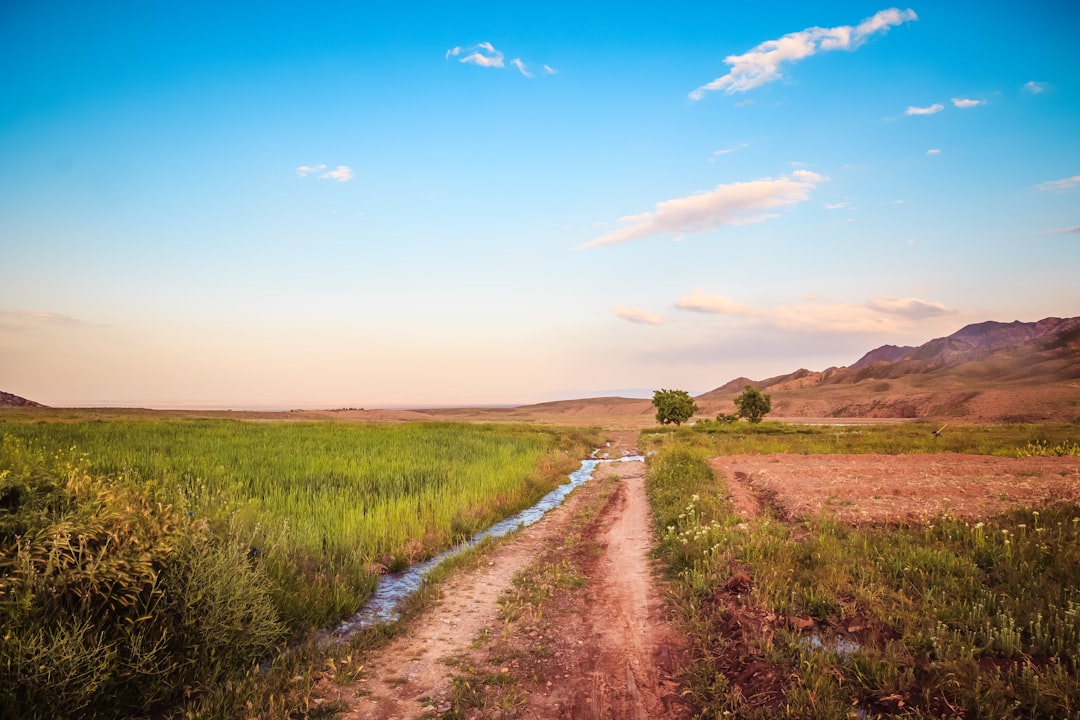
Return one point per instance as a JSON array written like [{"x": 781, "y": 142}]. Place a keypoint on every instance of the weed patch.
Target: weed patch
[{"x": 818, "y": 619}]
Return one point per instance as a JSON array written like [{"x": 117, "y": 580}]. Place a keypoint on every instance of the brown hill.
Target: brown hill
[
  {"x": 988, "y": 371},
  {"x": 9, "y": 400}
]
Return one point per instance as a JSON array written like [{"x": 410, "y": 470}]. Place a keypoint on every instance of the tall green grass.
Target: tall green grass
[
  {"x": 151, "y": 558},
  {"x": 966, "y": 619}
]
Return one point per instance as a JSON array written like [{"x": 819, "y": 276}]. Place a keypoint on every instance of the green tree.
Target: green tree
[
  {"x": 752, "y": 404},
  {"x": 673, "y": 406}
]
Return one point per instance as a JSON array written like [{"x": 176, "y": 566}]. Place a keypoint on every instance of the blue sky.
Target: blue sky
[{"x": 275, "y": 205}]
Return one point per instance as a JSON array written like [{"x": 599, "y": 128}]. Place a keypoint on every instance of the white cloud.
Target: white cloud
[
  {"x": 935, "y": 108},
  {"x": 875, "y": 316},
  {"x": 933, "y": 151},
  {"x": 1062, "y": 184},
  {"x": 483, "y": 54},
  {"x": 741, "y": 203},
  {"x": 516, "y": 62},
  {"x": 763, "y": 63},
  {"x": 967, "y": 103},
  {"x": 343, "y": 173},
  {"x": 706, "y": 302},
  {"x": 836, "y": 206},
  {"x": 1059, "y": 231},
  {"x": 637, "y": 315},
  {"x": 1035, "y": 87}
]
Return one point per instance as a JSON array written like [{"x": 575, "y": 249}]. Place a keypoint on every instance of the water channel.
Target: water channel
[{"x": 393, "y": 588}]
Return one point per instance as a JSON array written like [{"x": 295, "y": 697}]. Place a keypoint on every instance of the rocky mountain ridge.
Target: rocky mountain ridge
[
  {"x": 9, "y": 400},
  {"x": 1003, "y": 371}
]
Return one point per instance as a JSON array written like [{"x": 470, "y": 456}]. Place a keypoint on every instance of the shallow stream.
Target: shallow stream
[{"x": 393, "y": 588}]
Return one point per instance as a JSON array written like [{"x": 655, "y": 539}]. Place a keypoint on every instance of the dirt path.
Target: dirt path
[
  {"x": 596, "y": 647},
  {"x": 625, "y": 653}
]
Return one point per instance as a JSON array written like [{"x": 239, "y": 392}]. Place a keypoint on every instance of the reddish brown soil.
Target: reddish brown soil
[
  {"x": 891, "y": 488},
  {"x": 601, "y": 650}
]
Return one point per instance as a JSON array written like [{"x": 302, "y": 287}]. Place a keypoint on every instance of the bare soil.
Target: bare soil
[
  {"x": 598, "y": 650},
  {"x": 896, "y": 488}
]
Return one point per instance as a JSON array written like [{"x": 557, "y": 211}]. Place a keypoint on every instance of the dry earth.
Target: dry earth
[
  {"x": 598, "y": 650},
  {"x": 896, "y": 488}
]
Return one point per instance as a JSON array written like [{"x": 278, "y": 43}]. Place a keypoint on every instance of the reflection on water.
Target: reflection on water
[{"x": 393, "y": 588}]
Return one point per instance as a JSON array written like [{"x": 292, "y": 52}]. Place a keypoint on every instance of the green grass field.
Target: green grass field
[
  {"x": 808, "y": 618},
  {"x": 176, "y": 551}
]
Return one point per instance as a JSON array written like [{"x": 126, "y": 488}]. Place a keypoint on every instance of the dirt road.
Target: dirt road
[{"x": 579, "y": 635}]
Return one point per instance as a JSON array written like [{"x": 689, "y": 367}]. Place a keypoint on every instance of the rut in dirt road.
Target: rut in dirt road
[{"x": 630, "y": 647}]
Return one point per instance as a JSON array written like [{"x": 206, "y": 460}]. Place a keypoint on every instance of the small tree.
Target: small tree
[
  {"x": 673, "y": 406},
  {"x": 753, "y": 405}
]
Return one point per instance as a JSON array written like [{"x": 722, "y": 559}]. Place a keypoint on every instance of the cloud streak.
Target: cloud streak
[
  {"x": 485, "y": 55},
  {"x": 741, "y": 203},
  {"x": 964, "y": 103},
  {"x": 1064, "y": 230},
  {"x": 21, "y": 321},
  {"x": 1035, "y": 88},
  {"x": 935, "y": 108},
  {"x": 877, "y": 315},
  {"x": 342, "y": 173},
  {"x": 713, "y": 304},
  {"x": 1059, "y": 185},
  {"x": 637, "y": 315},
  {"x": 764, "y": 63}
]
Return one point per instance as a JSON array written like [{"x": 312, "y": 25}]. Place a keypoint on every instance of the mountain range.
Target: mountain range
[
  {"x": 1017, "y": 371},
  {"x": 984, "y": 372}
]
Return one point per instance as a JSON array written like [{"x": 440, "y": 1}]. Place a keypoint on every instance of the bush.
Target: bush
[{"x": 112, "y": 602}]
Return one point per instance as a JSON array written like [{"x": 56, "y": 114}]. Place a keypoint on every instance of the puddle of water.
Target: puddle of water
[
  {"x": 842, "y": 646},
  {"x": 395, "y": 587}
]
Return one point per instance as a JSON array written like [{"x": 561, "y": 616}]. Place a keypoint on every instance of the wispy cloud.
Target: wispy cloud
[
  {"x": 741, "y": 203},
  {"x": 637, "y": 315},
  {"x": 20, "y": 321},
  {"x": 1062, "y": 184},
  {"x": 1061, "y": 231},
  {"x": 516, "y": 62},
  {"x": 342, "y": 173},
  {"x": 483, "y": 54},
  {"x": 725, "y": 151},
  {"x": 836, "y": 205},
  {"x": 1035, "y": 88},
  {"x": 965, "y": 103},
  {"x": 933, "y": 151},
  {"x": 763, "y": 63},
  {"x": 912, "y": 308},
  {"x": 711, "y": 303},
  {"x": 877, "y": 315},
  {"x": 935, "y": 108}
]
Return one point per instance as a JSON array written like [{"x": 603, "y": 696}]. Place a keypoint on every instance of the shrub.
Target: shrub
[{"x": 112, "y": 602}]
